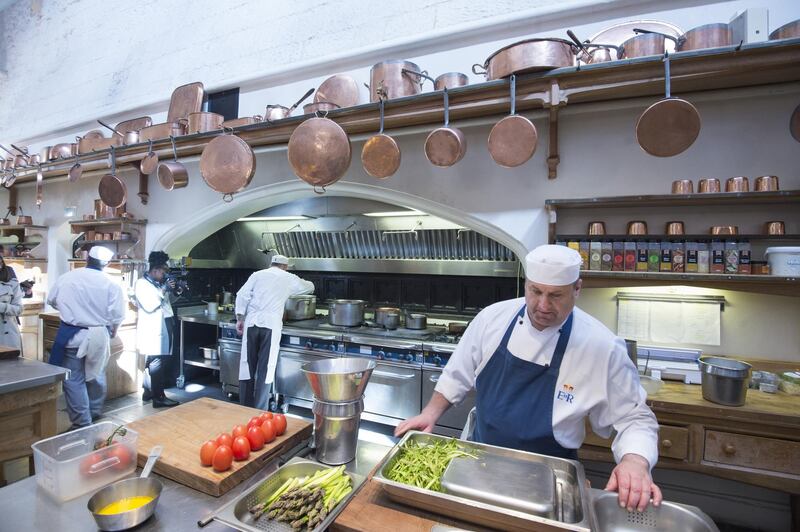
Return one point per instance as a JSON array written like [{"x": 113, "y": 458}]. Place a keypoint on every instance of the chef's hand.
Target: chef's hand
[
  {"x": 240, "y": 327},
  {"x": 424, "y": 422},
  {"x": 631, "y": 478}
]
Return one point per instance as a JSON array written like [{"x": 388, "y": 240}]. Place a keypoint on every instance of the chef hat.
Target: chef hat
[
  {"x": 553, "y": 265},
  {"x": 279, "y": 259},
  {"x": 100, "y": 253}
]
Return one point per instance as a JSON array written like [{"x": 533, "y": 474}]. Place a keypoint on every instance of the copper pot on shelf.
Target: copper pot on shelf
[
  {"x": 725, "y": 230},
  {"x": 767, "y": 183},
  {"x": 675, "y": 228},
  {"x": 709, "y": 185},
  {"x": 24, "y": 219},
  {"x": 712, "y": 35},
  {"x": 203, "y": 122},
  {"x": 321, "y": 107},
  {"x": 395, "y": 78},
  {"x": 450, "y": 80},
  {"x": 682, "y": 186},
  {"x": 775, "y": 228},
  {"x": 737, "y": 184},
  {"x": 597, "y": 228},
  {"x": 637, "y": 227}
]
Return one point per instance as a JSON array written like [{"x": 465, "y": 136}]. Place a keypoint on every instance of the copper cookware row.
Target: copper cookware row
[{"x": 765, "y": 183}]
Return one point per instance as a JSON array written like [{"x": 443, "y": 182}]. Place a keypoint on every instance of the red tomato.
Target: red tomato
[
  {"x": 265, "y": 416},
  {"x": 280, "y": 424},
  {"x": 88, "y": 462},
  {"x": 223, "y": 458},
  {"x": 254, "y": 422},
  {"x": 256, "y": 438},
  {"x": 241, "y": 448},
  {"x": 239, "y": 430},
  {"x": 225, "y": 439},
  {"x": 268, "y": 428},
  {"x": 207, "y": 452},
  {"x": 121, "y": 453}
]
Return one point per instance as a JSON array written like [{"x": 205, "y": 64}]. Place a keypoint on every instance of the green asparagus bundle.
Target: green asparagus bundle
[
  {"x": 422, "y": 465},
  {"x": 304, "y": 502}
]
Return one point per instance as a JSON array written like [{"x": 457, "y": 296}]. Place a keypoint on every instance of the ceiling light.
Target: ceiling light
[
  {"x": 395, "y": 213},
  {"x": 273, "y": 218}
]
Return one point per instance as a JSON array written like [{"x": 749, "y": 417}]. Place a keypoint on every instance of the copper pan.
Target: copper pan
[
  {"x": 512, "y": 141},
  {"x": 172, "y": 174},
  {"x": 227, "y": 165},
  {"x": 708, "y": 185},
  {"x": 112, "y": 189},
  {"x": 724, "y": 230},
  {"x": 787, "y": 31},
  {"x": 18, "y": 159},
  {"x": 75, "y": 170},
  {"x": 279, "y": 112},
  {"x": 775, "y": 228},
  {"x": 645, "y": 43},
  {"x": 94, "y": 140},
  {"x": 450, "y": 80},
  {"x": 395, "y": 78},
  {"x": 24, "y": 219},
  {"x": 149, "y": 163},
  {"x": 737, "y": 184},
  {"x": 174, "y": 128},
  {"x": 669, "y": 126},
  {"x": 767, "y": 183},
  {"x": 339, "y": 89},
  {"x": 675, "y": 228},
  {"x": 592, "y": 53},
  {"x": 319, "y": 152},
  {"x": 243, "y": 121},
  {"x": 637, "y": 228},
  {"x": 530, "y": 55},
  {"x": 314, "y": 107},
  {"x": 682, "y": 186},
  {"x": 381, "y": 154},
  {"x": 203, "y": 122},
  {"x": 184, "y": 100},
  {"x": 134, "y": 124},
  {"x": 597, "y": 228},
  {"x": 128, "y": 137},
  {"x": 794, "y": 124},
  {"x": 713, "y": 35},
  {"x": 446, "y": 145},
  {"x": 63, "y": 151}
]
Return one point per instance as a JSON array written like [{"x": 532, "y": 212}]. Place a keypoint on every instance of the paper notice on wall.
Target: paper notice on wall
[{"x": 669, "y": 322}]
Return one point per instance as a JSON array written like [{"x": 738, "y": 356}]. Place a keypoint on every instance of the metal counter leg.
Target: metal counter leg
[{"x": 181, "y": 380}]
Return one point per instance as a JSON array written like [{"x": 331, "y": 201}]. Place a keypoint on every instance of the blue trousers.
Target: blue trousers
[{"x": 84, "y": 399}]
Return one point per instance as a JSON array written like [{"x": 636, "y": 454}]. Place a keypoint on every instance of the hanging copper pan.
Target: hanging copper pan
[
  {"x": 790, "y": 30},
  {"x": 794, "y": 124},
  {"x": 319, "y": 152},
  {"x": 669, "y": 126},
  {"x": 381, "y": 154},
  {"x": 39, "y": 186},
  {"x": 172, "y": 174},
  {"x": 339, "y": 89},
  {"x": 513, "y": 139},
  {"x": 227, "y": 165},
  {"x": 446, "y": 145},
  {"x": 112, "y": 189},
  {"x": 149, "y": 163},
  {"x": 75, "y": 170}
]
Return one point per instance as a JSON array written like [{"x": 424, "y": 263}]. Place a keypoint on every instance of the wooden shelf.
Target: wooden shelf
[
  {"x": 96, "y": 242},
  {"x": 673, "y": 238},
  {"x": 25, "y": 260},
  {"x": 81, "y": 226},
  {"x": 679, "y": 200},
  {"x": 21, "y": 227},
  {"x": 770, "y": 284}
]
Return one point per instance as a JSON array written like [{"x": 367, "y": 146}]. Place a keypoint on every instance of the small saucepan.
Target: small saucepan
[
  {"x": 279, "y": 112},
  {"x": 450, "y": 80},
  {"x": 172, "y": 174},
  {"x": 129, "y": 137},
  {"x": 24, "y": 219},
  {"x": 446, "y": 145},
  {"x": 416, "y": 321},
  {"x": 321, "y": 107},
  {"x": 143, "y": 486}
]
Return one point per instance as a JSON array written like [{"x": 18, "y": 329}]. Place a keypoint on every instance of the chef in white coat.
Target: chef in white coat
[
  {"x": 259, "y": 313},
  {"x": 540, "y": 366}
]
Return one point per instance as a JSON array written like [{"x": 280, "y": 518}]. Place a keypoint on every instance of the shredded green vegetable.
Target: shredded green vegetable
[{"x": 422, "y": 465}]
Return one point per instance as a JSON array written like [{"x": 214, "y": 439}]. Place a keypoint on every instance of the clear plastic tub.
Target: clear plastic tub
[{"x": 68, "y": 466}]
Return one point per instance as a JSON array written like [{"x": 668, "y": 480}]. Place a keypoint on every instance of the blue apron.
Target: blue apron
[
  {"x": 64, "y": 334},
  {"x": 515, "y": 398}
]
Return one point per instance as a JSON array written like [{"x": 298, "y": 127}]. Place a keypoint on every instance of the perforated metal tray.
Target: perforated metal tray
[{"x": 236, "y": 514}]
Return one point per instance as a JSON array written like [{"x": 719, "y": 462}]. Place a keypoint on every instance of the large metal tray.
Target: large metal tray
[
  {"x": 236, "y": 513},
  {"x": 573, "y": 510}
]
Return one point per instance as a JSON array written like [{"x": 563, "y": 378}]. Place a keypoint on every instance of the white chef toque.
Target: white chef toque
[
  {"x": 553, "y": 265},
  {"x": 279, "y": 259},
  {"x": 100, "y": 253}
]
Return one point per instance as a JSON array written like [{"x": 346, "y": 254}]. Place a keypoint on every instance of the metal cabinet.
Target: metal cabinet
[
  {"x": 290, "y": 381},
  {"x": 456, "y": 416},
  {"x": 230, "y": 353},
  {"x": 393, "y": 393}
]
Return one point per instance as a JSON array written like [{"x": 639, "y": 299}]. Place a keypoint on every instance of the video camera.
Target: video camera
[{"x": 181, "y": 284}]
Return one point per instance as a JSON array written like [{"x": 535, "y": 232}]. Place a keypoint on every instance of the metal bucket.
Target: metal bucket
[
  {"x": 336, "y": 430},
  {"x": 724, "y": 380},
  {"x": 339, "y": 380}
]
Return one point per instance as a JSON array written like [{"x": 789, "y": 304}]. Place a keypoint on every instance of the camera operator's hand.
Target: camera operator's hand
[{"x": 171, "y": 283}]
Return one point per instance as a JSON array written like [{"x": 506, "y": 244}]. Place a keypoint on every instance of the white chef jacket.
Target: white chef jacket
[
  {"x": 89, "y": 298},
  {"x": 597, "y": 379},
  {"x": 261, "y": 301},
  {"x": 154, "y": 305}
]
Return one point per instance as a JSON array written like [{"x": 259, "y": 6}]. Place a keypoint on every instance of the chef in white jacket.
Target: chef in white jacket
[
  {"x": 540, "y": 366},
  {"x": 259, "y": 313}
]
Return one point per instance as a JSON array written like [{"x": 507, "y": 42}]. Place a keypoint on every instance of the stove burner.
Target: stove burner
[{"x": 447, "y": 338}]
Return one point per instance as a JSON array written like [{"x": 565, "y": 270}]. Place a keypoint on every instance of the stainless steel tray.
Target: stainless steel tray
[
  {"x": 667, "y": 517},
  {"x": 573, "y": 510},
  {"x": 236, "y": 513}
]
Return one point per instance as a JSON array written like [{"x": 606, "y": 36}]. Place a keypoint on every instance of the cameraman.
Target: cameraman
[{"x": 154, "y": 326}]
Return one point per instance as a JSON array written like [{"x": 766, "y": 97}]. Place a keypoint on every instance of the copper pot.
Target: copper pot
[
  {"x": 279, "y": 112},
  {"x": 88, "y": 217},
  {"x": 706, "y": 36},
  {"x": 637, "y": 228},
  {"x": 682, "y": 186},
  {"x": 450, "y": 80},
  {"x": 675, "y": 228},
  {"x": 101, "y": 210},
  {"x": 645, "y": 44},
  {"x": 63, "y": 151},
  {"x": 737, "y": 184},
  {"x": 724, "y": 230},
  {"x": 94, "y": 140},
  {"x": 775, "y": 228},
  {"x": 243, "y": 121},
  {"x": 709, "y": 185},
  {"x": 314, "y": 107},
  {"x": 597, "y": 228},
  {"x": 530, "y": 55},
  {"x": 395, "y": 78},
  {"x": 767, "y": 183},
  {"x": 204, "y": 122},
  {"x": 23, "y": 219},
  {"x": 787, "y": 31},
  {"x": 163, "y": 131}
]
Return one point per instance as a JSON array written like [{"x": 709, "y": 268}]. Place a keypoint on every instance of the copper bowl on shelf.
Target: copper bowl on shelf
[
  {"x": 637, "y": 228},
  {"x": 682, "y": 186},
  {"x": 737, "y": 184},
  {"x": 675, "y": 228},
  {"x": 709, "y": 185},
  {"x": 775, "y": 228},
  {"x": 724, "y": 230},
  {"x": 597, "y": 228},
  {"x": 767, "y": 183},
  {"x": 88, "y": 217}
]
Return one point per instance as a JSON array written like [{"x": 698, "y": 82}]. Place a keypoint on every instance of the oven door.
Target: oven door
[
  {"x": 230, "y": 352},
  {"x": 456, "y": 416},
  {"x": 393, "y": 393},
  {"x": 290, "y": 381}
]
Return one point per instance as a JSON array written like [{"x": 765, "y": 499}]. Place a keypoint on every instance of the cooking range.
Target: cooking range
[{"x": 408, "y": 365}]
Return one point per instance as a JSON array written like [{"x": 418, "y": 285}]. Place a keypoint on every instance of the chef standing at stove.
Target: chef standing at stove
[
  {"x": 259, "y": 315},
  {"x": 539, "y": 366}
]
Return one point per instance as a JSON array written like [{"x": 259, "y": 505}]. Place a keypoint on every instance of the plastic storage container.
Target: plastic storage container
[
  {"x": 784, "y": 261},
  {"x": 68, "y": 466}
]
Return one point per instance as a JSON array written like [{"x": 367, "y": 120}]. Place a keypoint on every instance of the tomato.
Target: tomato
[
  {"x": 265, "y": 416},
  {"x": 207, "y": 452},
  {"x": 225, "y": 439},
  {"x": 223, "y": 458},
  {"x": 254, "y": 422},
  {"x": 280, "y": 424},
  {"x": 241, "y": 448},
  {"x": 268, "y": 428},
  {"x": 121, "y": 453},
  {"x": 256, "y": 438},
  {"x": 239, "y": 430},
  {"x": 90, "y": 461}
]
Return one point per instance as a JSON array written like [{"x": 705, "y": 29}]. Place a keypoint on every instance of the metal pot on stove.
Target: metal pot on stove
[
  {"x": 302, "y": 307},
  {"x": 346, "y": 312}
]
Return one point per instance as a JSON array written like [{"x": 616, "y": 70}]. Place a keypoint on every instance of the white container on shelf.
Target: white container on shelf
[
  {"x": 784, "y": 261},
  {"x": 68, "y": 466}
]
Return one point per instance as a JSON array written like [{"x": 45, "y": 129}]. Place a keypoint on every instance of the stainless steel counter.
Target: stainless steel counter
[
  {"x": 24, "y": 506},
  {"x": 22, "y": 373},
  {"x": 202, "y": 317}
]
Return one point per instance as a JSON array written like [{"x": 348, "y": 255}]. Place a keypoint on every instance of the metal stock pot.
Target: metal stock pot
[
  {"x": 300, "y": 307},
  {"x": 346, "y": 312}
]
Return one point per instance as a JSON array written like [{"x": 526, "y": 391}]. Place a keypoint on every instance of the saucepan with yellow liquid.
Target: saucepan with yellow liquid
[{"x": 127, "y": 503}]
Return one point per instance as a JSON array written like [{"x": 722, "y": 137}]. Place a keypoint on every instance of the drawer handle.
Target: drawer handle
[
  {"x": 666, "y": 444},
  {"x": 433, "y": 378},
  {"x": 728, "y": 448},
  {"x": 387, "y": 375}
]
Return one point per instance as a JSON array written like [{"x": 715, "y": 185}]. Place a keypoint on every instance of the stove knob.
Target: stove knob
[
  {"x": 332, "y": 347},
  {"x": 437, "y": 360},
  {"x": 409, "y": 358},
  {"x": 309, "y": 345},
  {"x": 381, "y": 355}
]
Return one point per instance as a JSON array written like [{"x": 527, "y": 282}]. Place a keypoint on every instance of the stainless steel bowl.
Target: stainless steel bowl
[
  {"x": 724, "y": 380},
  {"x": 668, "y": 516},
  {"x": 339, "y": 380},
  {"x": 133, "y": 487},
  {"x": 210, "y": 352}
]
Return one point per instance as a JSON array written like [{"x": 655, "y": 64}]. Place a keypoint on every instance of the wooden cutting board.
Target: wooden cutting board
[{"x": 183, "y": 429}]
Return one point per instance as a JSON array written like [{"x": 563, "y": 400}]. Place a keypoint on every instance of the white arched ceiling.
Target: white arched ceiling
[{"x": 182, "y": 237}]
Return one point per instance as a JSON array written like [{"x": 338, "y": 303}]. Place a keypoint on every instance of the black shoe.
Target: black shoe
[
  {"x": 96, "y": 417},
  {"x": 147, "y": 395},
  {"x": 164, "y": 402}
]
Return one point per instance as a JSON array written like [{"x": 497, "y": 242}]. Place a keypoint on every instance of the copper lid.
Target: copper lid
[{"x": 637, "y": 228}]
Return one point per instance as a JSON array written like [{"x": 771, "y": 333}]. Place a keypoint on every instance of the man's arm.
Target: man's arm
[
  {"x": 116, "y": 308},
  {"x": 426, "y": 420},
  {"x": 300, "y": 286},
  {"x": 243, "y": 297}
]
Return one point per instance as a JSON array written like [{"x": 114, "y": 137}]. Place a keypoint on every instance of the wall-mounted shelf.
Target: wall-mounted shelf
[
  {"x": 762, "y": 284},
  {"x": 679, "y": 200},
  {"x": 673, "y": 238},
  {"x": 36, "y": 248},
  {"x": 132, "y": 248},
  {"x": 81, "y": 226}
]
